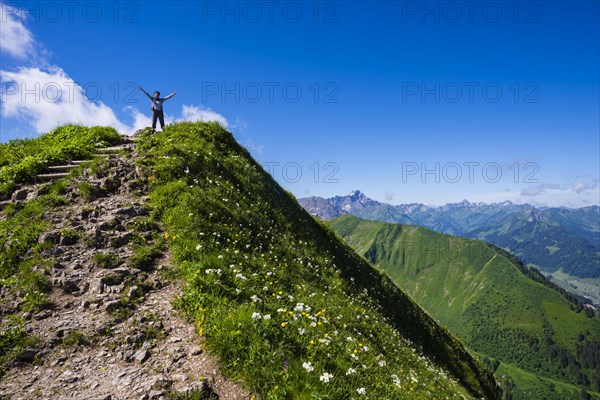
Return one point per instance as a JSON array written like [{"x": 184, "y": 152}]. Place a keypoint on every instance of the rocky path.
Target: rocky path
[{"x": 111, "y": 331}]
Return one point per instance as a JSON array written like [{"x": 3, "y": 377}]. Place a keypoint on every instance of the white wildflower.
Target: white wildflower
[
  {"x": 308, "y": 366},
  {"x": 326, "y": 377}
]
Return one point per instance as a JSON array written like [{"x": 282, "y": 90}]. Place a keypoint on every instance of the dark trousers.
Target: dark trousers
[{"x": 161, "y": 117}]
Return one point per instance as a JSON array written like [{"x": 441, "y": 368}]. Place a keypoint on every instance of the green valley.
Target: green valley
[{"x": 541, "y": 345}]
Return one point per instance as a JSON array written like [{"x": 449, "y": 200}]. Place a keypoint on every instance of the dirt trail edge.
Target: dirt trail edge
[{"x": 111, "y": 331}]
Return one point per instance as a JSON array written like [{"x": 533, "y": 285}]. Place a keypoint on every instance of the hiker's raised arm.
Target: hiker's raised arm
[
  {"x": 171, "y": 95},
  {"x": 146, "y": 93}
]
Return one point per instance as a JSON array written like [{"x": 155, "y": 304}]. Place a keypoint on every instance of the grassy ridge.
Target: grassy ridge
[
  {"x": 21, "y": 224},
  {"x": 22, "y": 267},
  {"x": 20, "y": 159},
  {"x": 289, "y": 308},
  {"x": 483, "y": 298},
  {"x": 550, "y": 240}
]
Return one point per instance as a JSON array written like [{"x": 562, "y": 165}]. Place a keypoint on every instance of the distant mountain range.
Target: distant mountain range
[{"x": 546, "y": 238}]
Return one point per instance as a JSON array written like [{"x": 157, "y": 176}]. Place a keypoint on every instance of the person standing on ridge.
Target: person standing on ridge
[{"x": 157, "y": 108}]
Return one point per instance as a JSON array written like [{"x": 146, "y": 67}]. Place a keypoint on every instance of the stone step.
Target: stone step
[
  {"x": 77, "y": 162},
  {"x": 62, "y": 167},
  {"x": 49, "y": 177},
  {"x": 113, "y": 149}
]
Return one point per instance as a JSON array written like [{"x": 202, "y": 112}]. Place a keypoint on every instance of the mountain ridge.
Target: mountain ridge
[
  {"x": 424, "y": 206},
  {"x": 546, "y": 238}
]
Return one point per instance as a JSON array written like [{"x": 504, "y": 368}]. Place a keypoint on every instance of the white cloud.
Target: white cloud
[
  {"x": 550, "y": 195},
  {"x": 141, "y": 120},
  {"x": 389, "y": 196},
  {"x": 15, "y": 39},
  {"x": 581, "y": 187},
  {"x": 255, "y": 149},
  {"x": 240, "y": 125},
  {"x": 578, "y": 187},
  {"x": 193, "y": 113},
  {"x": 44, "y": 96},
  {"x": 239, "y": 128},
  {"x": 45, "y": 99},
  {"x": 534, "y": 190},
  {"x": 577, "y": 194}
]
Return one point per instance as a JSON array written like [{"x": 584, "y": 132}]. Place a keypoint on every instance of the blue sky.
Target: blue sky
[{"x": 430, "y": 102}]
